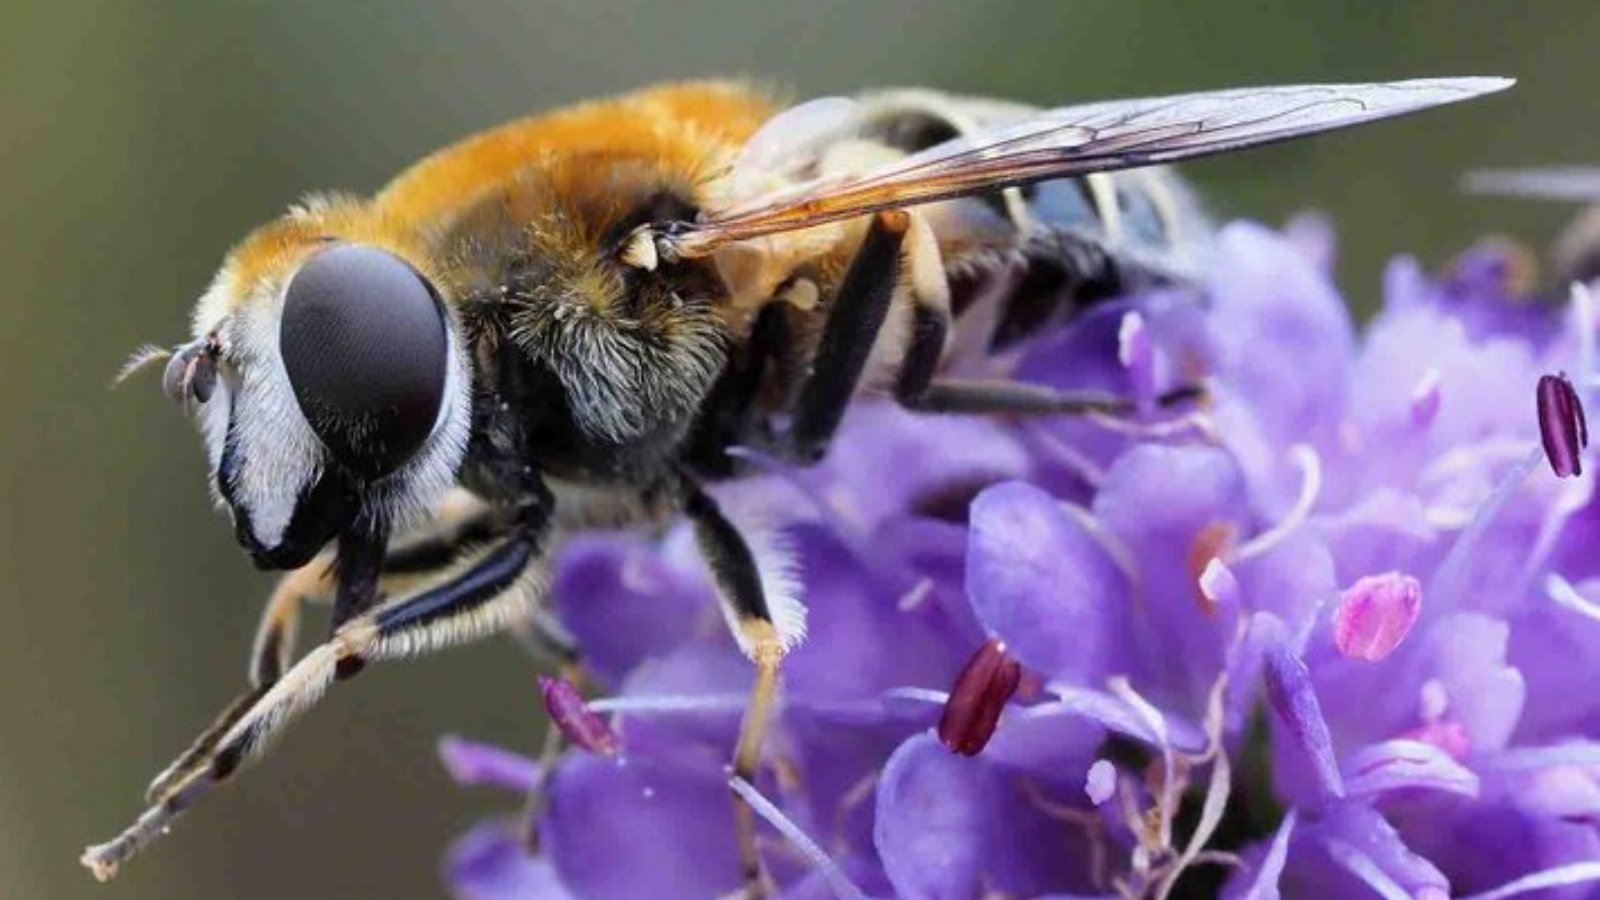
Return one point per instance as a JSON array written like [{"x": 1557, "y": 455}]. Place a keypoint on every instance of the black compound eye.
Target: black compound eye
[{"x": 363, "y": 338}]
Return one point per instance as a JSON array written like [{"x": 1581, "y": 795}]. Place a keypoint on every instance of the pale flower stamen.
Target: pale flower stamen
[
  {"x": 1563, "y": 594},
  {"x": 1310, "y": 489},
  {"x": 841, "y": 884}
]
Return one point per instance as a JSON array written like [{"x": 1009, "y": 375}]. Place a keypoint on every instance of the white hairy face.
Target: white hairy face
[{"x": 289, "y": 484}]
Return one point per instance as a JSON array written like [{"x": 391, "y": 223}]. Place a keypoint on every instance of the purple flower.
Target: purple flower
[{"x": 1334, "y": 633}]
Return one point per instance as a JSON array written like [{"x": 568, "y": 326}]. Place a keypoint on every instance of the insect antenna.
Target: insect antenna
[{"x": 145, "y": 356}]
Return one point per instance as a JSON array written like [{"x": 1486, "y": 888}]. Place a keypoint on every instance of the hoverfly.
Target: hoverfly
[
  {"x": 569, "y": 320},
  {"x": 1576, "y": 252}
]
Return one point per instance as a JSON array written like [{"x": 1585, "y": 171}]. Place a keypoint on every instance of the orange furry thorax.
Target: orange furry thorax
[
  {"x": 684, "y": 129},
  {"x": 682, "y": 134}
]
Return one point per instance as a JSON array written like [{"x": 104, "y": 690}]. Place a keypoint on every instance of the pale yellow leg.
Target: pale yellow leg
[
  {"x": 274, "y": 646},
  {"x": 768, "y": 657}
]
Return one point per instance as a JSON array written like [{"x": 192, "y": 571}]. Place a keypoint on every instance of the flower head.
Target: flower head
[{"x": 1334, "y": 632}]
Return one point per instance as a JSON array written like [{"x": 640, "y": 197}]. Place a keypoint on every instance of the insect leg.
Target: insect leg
[
  {"x": 749, "y": 612},
  {"x": 462, "y": 520},
  {"x": 269, "y": 655},
  {"x": 917, "y": 387},
  {"x": 493, "y": 591},
  {"x": 860, "y": 306},
  {"x": 730, "y": 415},
  {"x": 985, "y": 397}
]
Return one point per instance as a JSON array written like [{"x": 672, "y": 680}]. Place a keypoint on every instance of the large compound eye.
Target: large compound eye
[{"x": 363, "y": 338}]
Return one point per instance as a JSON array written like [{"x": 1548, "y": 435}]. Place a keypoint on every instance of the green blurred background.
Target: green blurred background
[{"x": 139, "y": 139}]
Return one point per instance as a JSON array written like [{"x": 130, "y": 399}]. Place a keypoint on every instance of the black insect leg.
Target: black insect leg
[
  {"x": 358, "y": 566},
  {"x": 730, "y": 415},
  {"x": 756, "y": 629},
  {"x": 459, "y": 527},
  {"x": 930, "y": 327},
  {"x": 487, "y": 597},
  {"x": 859, "y": 309},
  {"x": 983, "y": 397},
  {"x": 917, "y": 387}
]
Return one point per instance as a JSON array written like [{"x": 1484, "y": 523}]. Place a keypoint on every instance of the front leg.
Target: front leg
[
  {"x": 463, "y": 520},
  {"x": 493, "y": 592},
  {"x": 269, "y": 656}
]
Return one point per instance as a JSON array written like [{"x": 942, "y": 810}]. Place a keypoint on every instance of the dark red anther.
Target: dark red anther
[
  {"x": 981, "y": 691},
  {"x": 580, "y": 726},
  {"x": 1562, "y": 427}
]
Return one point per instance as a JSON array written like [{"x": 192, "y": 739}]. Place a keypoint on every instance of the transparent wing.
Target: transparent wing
[
  {"x": 1069, "y": 141},
  {"x": 1577, "y": 183}
]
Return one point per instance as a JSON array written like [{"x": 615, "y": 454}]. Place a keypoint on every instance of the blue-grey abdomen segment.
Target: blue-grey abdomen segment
[
  {"x": 1149, "y": 217},
  {"x": 1021, "y": 258},
  {"x": 1145, "y": 220}
]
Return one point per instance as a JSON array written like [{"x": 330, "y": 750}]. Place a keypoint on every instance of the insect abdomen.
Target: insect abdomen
[{"x": 1053, "y": 247}]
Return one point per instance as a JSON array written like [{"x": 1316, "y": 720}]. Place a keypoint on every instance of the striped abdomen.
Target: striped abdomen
[{"x": 1051, "y": 248}]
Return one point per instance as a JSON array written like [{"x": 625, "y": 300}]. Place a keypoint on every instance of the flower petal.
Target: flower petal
[
  {"x": 1485, "y": 845},
  {"x": 640, "y": 828},
  {"x": 1486, "y": 695},
  {"x": 953, "y": 827},
  {"x": 933, "y": 558},
  {"x": 1044, "y": 741},
  {"x": 627, "y": 600},
  {"x": 1291, "y": 580},
  {"x": 1313, "y": 235},
  {"x": 694, "y": 671},
  {"x": 1118, "y": 716},
  {"x": 472, "y": 763},
  {"x": 490, "y": 863},
  {"x": 1137, "y": 353},
  {"x": 1401, "y": 765},
  {"x": 1264, "y": 884},
  {"x": 863, "y": 641},
  {"x": 1284, "y": 344},
  {"x": 1156, "y": 501},
  {"x": 917, "y": 463},
  {"x": 1559, "y": 876},
  {"x": 1294, "y": 699},
  {"x": 1561, "y": 781},
  {"x": 1040, "y": 583},
  {"x": 1367, "y": 846}
]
